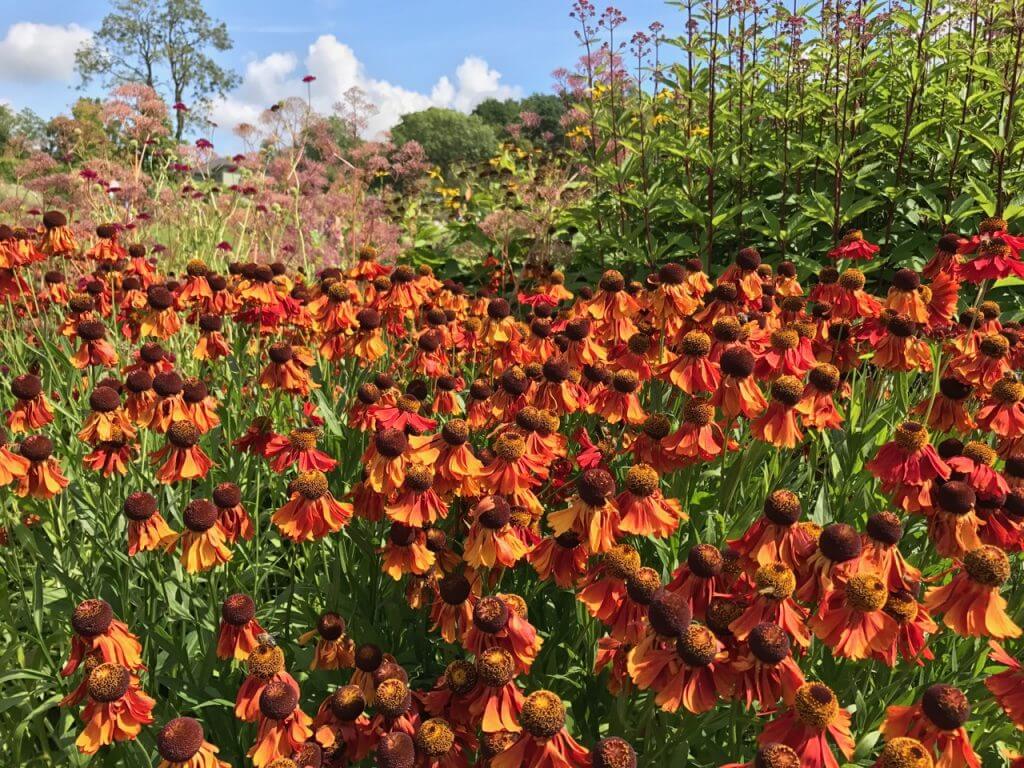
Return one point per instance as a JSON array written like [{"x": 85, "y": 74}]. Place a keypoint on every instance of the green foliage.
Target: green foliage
[
  {"x": 449, "y": 138},
  {"x": 501, "y": 114},
  {"x": 20, "y": 132},
  {"x": 164, "y": 44},
  {"x": 782, "y": 130},
  {"x": 549, "y": 108},
  {"x": 497, "y": 113}
]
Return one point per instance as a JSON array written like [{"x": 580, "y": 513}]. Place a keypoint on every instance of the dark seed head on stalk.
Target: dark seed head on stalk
[
  {"x": 92, "y": 617},
  {"x": 839, "y": 542},
  {"x": 108, "y": 682},
  {"x": 946, "y": 706},
  {"x": 904, "y": 752},
  {"x": 613, "y": 752},
  {"x": 368, "y": 657},
  {"x": 278, "y": 700},
  {"x": 180, "y": 739},
  {"x": 238, "y": 609},
  {"x": 490, "y": 614},
  {"x": 543, "y": 714},
  {"x": 775, "y": 755},
  {"x": 347, "y": 703}
]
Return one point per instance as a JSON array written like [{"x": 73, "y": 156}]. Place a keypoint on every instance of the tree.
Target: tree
[
  {"x": 497, "y": 113},
  {"x": 164, "y": 44},
  {"x": 20, "y": 131},
  {"x": 448, "y": 137},
  {"x": 549, "y": 108}
]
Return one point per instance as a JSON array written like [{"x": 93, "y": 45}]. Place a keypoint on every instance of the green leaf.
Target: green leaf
[{"x": 885, "y": 129}]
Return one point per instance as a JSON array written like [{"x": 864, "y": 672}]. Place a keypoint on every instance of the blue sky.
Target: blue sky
[{"x": 406, "y": 54}]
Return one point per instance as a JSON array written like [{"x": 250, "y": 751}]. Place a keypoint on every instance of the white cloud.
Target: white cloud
[
  {"x": 337, "y": 69},
  {"x": 32, "y": 52}
]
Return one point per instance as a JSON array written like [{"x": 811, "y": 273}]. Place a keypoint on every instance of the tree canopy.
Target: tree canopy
[
  {"x": 448, "y": 137},
  {"x": 538, "y": 116},
  {"x": 165, "y": 44}
]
